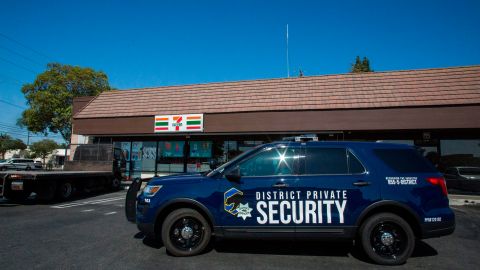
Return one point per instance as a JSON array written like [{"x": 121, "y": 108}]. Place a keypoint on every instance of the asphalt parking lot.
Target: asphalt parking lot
[{"x": 92, "y": 233}]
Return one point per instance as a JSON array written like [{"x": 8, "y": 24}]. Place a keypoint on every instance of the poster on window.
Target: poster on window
[
  {"x": 136, "y": 151},
  {"x": 201, "y": 149},
  {"x": 171, "y": 148}
]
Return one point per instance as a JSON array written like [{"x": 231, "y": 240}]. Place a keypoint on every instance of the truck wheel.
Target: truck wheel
[
  {"x": 65, "y": 190},
  {"x": 115, "y": 184},
  {"x": 387, "y": 239},
  {"x": 185, "y": 232},
  {"x": 28, "y": 168}
]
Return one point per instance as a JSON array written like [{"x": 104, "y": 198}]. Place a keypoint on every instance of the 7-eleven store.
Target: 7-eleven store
[{"x": 182, "y": 128}]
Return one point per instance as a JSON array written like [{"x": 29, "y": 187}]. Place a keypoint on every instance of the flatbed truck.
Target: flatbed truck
[{"x": 93, "y": 167}]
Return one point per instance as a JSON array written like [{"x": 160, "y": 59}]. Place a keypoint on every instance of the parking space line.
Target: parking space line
[
  {"x": 110, "y": 213},
  {"x": 87, "y": 210},
  {"x": 67, "y": 205}
]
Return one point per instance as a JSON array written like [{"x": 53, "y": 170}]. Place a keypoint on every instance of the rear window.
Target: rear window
[{"x": 404, "y": 160}]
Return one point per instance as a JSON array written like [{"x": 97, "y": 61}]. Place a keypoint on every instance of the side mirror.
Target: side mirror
[{"x": 233, "y": 175}]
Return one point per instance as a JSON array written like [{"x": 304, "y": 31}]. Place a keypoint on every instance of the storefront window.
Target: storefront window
[
  {"x": 459, "y": 153},
  {"x": 170, "y": 156},
  {"x": 149, "y": 155},
  {"x": 230, "y": 150},
  {"x": 247, "y": 145},
  {"x": 125, "y": 148},
  {"x": 199, "y": 157}
]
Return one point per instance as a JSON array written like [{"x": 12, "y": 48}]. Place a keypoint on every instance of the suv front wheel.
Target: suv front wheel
[
  {"x": 387, "y": 239},
  {"x": 185, "y": 232}
]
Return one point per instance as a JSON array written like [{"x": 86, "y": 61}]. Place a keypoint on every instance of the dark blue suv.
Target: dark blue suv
[{"x": 384, "y": 196}]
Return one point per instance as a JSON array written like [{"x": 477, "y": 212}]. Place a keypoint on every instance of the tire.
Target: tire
[
  {"x": 28, "y": 168},
  {"x": 65, "y": 190},
  {"x": 185, "y": 232},
  {"x": 387, "y": 239},
  {"x": 115, "y": 185}
]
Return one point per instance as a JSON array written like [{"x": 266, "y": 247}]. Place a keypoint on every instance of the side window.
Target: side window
[
  {"x": 354, "y": 165},
  {"x": 275, "y": 161},
  {"x": 326, "y": 161}
]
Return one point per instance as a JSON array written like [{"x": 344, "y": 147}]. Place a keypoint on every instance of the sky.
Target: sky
[{"x": 158, "y": 43}]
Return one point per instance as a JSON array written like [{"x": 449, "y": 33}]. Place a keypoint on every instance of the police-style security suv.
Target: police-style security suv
[{"x": 385, "y": 196}]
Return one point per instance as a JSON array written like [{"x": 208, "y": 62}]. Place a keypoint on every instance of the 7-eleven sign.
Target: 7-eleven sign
[{"x": 179, "y": 123}]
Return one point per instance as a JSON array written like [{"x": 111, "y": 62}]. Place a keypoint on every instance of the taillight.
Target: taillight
[{"x": 439, "y": 181}]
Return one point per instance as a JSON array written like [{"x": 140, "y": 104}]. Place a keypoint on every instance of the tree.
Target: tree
[
  {"x": 8, "y": 143},
  {"x": 361, "y": 65},
  {"x": 50, "y": 97},
  {"x": 43, "y": 148}
]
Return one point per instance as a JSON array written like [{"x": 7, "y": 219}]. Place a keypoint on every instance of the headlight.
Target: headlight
[{"x": 150, "y": 191}]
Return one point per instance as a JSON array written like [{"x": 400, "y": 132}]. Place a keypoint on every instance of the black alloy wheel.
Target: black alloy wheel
[
  {"x": 185, "y": 232},
  {"x": 387, "y": 239}
]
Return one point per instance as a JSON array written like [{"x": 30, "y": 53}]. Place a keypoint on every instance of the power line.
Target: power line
[
  {"x": 21, "y": 55},
  {"x": 11, "y": 78},
  {"x": 13, "y": 128},
  {"x": 19, "y": 129},
  {"x": 27, "y": 47},
  {"x": 8, "y": 124},
  {"x": 20, "y": 66},
  {"x": 11, "y": 104}
]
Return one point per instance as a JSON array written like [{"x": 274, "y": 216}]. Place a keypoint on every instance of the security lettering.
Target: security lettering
[
  {"x": 301, "y": 207},
  {"x": 290, "y": 207}
]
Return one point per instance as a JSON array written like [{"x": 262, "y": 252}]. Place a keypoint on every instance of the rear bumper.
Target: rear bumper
[
  {"x": 438, "y": 232},
  {"x": 430, "y": 230}
]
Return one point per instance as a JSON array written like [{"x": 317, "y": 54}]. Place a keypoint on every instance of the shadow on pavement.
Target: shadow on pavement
[
  {"x": 150, "y": 242},
  {"x": 423, "y": 249},
  {"x": 291, "y": 247}
]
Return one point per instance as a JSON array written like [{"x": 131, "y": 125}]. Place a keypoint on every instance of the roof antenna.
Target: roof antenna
[{"x": 288, "y": 64}]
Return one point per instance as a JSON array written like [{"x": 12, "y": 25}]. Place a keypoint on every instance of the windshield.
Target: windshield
[
  {"x": 469, "y": 171},
  {"x": 221, "y": 168}
]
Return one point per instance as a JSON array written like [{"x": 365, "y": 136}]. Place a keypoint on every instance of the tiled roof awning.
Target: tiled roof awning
[{"x": 410, "y": 88}]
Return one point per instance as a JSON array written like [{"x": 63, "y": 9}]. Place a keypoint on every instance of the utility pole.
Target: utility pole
[
  {"x": 288, "y": 64},
  {"x": 28, "y": 137}
]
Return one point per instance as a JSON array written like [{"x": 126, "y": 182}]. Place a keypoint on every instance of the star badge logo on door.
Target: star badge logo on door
[{"x": 244, "y": 211}]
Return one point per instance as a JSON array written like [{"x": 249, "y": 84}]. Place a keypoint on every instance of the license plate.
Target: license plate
[{"x": 16, "y": 185}]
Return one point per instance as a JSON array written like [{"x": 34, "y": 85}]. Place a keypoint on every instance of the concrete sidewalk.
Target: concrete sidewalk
[{"x": 457, "y": 199}]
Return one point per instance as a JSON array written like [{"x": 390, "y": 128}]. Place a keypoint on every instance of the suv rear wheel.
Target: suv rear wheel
[
  {"x": 185, "y": 232},
  {"x": 387, "y": 239}
]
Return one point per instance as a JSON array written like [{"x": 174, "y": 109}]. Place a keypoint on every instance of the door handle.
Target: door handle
[
  {"x": 280, "y": 185},
  {"x": 361, "y": 183}
]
